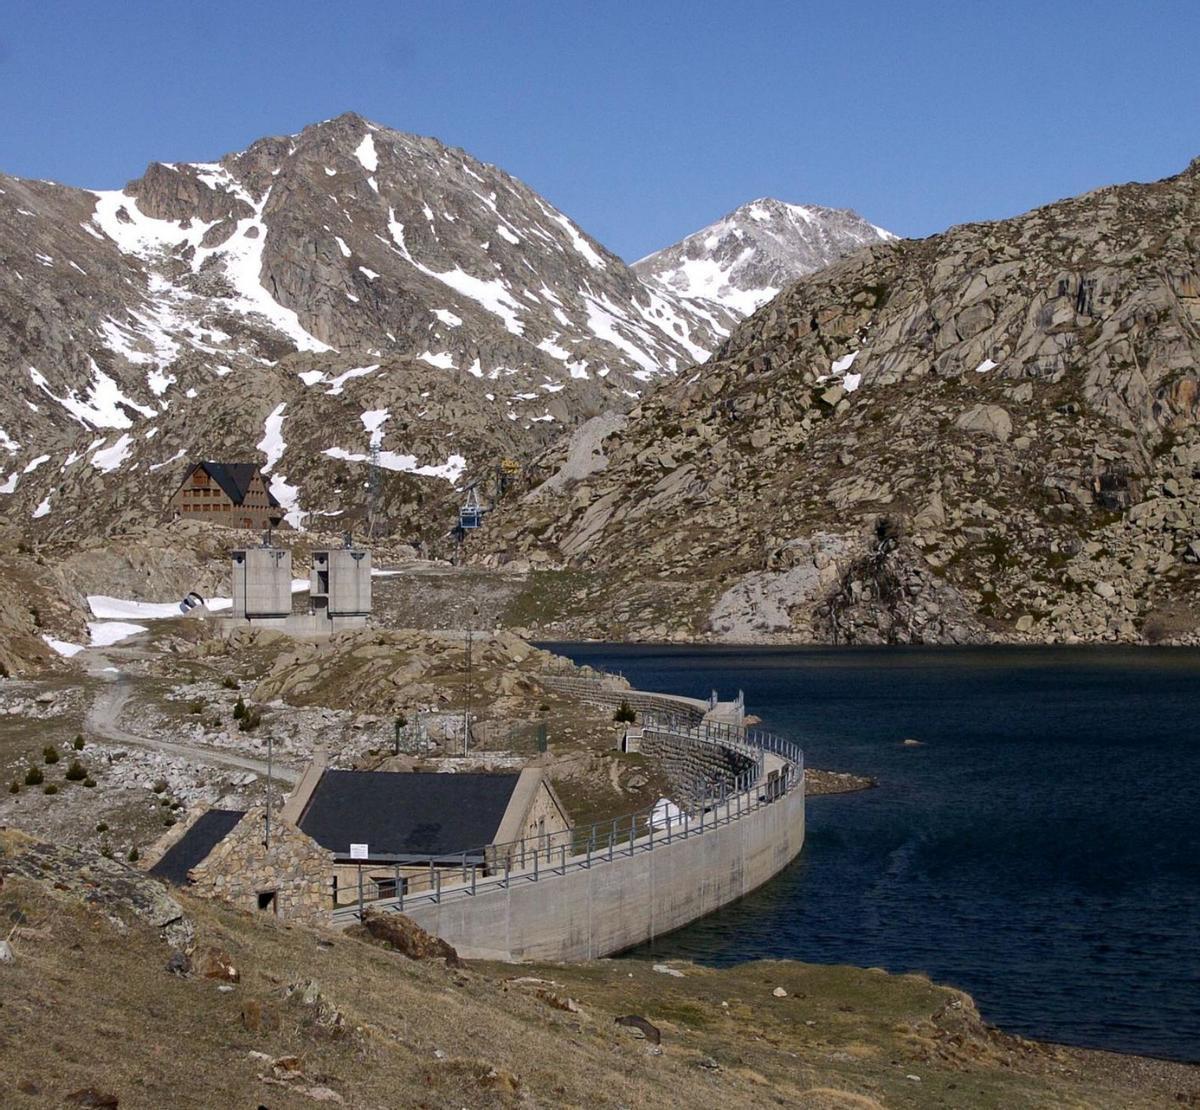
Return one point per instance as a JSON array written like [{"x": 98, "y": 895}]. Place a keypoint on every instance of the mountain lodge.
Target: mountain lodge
[{"x": 234, "y": 494}]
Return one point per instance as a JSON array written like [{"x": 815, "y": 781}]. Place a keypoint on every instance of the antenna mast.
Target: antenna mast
[{"x": 373, "y": 469}]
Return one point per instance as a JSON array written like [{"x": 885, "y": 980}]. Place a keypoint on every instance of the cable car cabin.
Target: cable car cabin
[{"x": 472, "y": 512}]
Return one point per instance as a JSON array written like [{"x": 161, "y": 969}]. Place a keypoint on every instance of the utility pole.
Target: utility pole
[
  {"x": 373, "y": 480},
  {"x": 470, "y": 680},
  {"x": 467, "y": 710},
  {"x": 267, "y": 812}
]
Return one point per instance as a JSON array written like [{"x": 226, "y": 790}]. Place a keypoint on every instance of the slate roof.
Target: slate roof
[
  {"x": 403, "y": 814},
  {"x": 234, "y": 479},
  {"x": 196, "y": 844}
]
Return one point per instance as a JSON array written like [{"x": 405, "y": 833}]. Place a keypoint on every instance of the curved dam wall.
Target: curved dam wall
[{"x": 641, "y": 893}]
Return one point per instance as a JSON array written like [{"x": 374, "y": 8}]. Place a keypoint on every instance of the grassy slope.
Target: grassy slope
[{"x": 84, "y": 1005}]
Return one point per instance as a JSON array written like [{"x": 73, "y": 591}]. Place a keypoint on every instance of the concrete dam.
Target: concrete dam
[{"x": 619, "y": 884}]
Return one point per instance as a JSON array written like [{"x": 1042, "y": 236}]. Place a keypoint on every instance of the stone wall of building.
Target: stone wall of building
[
  {"x": 544, "y": 810},
  {"x": 297, "y": 869}
]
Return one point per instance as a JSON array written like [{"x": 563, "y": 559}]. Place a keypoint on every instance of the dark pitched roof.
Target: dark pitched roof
[
  {"x": 397, "y": 813},
  {"x": 234, "y": 479},
  {"x": 196, "y": 844}
]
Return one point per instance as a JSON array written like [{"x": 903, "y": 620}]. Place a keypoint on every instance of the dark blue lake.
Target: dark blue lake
[{"x": 1041, "y": 850}]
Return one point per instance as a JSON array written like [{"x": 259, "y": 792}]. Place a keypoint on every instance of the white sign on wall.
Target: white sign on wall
[{"x": 359, "y": 851}]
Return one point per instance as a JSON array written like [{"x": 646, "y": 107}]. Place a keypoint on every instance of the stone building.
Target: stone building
[
  {"x": 341, "y": 829},
  {"x": 234, "y": 494},
  {"x": 220, "y": 853},
  {"x": 397, "y": 829}
]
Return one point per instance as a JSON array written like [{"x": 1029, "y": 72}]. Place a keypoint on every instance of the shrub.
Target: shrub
[
  {"x": 76, "y": 772},
  {"x": 102, "y": 827},
  {"x": 77, "y": 743},
  {"x": 196, "y": 707},
  {"x": 49, "y": 788},
  {"x": 229, "y": 682},
  {"x": 159, "y": 786},
  {"x": 625, "y": 713},
  {"x": 33, "y": 777},
  {"x": 49, "y": 754},
  {"x": 133, "y": 854},
  {"x": 239, "y": 709},
  {"x": 251, "y": 719},
  {"x": 106, "y": 851},
  {"x": 89, "y": 782},
  {"x": 14, "y": 787}
]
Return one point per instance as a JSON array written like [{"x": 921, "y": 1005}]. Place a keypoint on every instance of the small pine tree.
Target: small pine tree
[
  {"x": 50, "y": 788},
  {"x": 77, "y": 772},
  {"x": 14, "y": 787},
  {"x": 625, "y": 713},
  {"x": 77, "y": 743},
  {"x": 133, "y": 854},
  {"x": 229, "y": 682},
  {"x": 239, "y": 709},
  {"x": 50, "y": 754},
  {"x": 34, "y": 776}
]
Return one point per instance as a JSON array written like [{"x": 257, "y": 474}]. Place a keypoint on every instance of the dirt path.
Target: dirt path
[{"x": 104, "y": 716}]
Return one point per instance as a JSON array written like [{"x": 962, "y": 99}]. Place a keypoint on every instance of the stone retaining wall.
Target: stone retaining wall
[
  {"x": 695, "y": 769},
  {"x": 689, "y": 710}
]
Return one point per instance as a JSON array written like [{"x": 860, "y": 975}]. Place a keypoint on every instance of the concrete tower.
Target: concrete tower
[
  {"x": 262, "y": 583},
  {"x": 340, "y": 586}
]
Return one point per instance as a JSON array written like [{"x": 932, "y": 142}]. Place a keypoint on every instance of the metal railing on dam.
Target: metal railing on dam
[{"x": 592, "y": 891}]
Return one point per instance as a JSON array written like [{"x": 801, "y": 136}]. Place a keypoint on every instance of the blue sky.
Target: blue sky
[{"x": 642, "y": 120}]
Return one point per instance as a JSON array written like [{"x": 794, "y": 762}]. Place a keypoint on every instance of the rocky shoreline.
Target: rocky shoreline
[{"x": 817, "y": 782}]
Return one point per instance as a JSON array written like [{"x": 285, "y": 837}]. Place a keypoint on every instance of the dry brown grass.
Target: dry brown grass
[{"x": 87, "y": 1004}]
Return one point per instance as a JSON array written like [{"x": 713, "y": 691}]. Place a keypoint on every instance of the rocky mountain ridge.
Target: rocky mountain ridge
[
  {"x": 988, "y": 434},
  {"x": 346, "y": 260},
  {"x": 745, "y": 258}
]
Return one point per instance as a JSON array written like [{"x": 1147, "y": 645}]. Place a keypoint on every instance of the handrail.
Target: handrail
[{"x": 531, "y": 859}]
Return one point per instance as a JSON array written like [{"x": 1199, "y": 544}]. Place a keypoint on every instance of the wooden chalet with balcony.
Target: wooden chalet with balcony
[{"x": 233, "y": 494}]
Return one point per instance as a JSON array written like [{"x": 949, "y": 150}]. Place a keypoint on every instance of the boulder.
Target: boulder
[
  {"x": 216, "y": 963},
  {"x": 401, "y": 933},
  {"x": 986, "y": 420}
]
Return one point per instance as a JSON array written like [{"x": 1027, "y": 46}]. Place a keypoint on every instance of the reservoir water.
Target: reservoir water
[{"x": 1040, "y": 849}]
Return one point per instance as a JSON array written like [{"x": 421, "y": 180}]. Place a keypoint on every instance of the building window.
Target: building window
[
  {"x": 267, "y": 902},
  {"x": 387, "y": 888}
]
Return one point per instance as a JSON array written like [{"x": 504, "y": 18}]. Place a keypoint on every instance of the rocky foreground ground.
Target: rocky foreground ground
[{"x": 114, "y": 994}]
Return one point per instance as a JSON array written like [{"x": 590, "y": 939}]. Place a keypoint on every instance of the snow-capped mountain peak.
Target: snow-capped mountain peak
[{"x": 743, "y": 259}]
